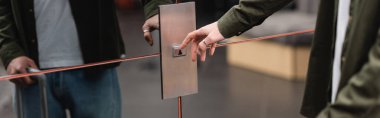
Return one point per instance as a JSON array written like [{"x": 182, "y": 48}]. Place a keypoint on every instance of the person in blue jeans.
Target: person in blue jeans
[
  {"x": 48, "y": 34},
  {"x": 85, "y": 97}
]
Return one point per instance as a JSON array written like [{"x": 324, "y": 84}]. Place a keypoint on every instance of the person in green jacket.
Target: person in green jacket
[{"x": 358, "y": 88}]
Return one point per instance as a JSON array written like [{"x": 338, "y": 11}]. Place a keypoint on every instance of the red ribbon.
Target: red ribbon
[{"x": 15, "y": 76}]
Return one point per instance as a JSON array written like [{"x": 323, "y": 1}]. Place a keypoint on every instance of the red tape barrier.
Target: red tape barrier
[{"x": 15, "y": 76}]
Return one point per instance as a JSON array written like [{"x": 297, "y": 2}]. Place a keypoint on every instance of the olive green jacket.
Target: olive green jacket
[{"x": 359, "y": 89}]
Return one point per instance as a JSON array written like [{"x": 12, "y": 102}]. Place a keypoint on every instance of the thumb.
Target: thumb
[
  {"x": 148, "y": 38},
  {"x": 147, "y": 35}
]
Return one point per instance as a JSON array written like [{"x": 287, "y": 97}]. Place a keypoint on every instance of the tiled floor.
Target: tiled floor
[{"x": 224, "y": 92}]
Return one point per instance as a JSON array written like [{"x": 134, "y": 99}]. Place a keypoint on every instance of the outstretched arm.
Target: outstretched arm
[{"x": 238, "y": 19}]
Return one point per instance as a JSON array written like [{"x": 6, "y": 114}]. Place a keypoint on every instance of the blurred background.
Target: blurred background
[{"x": 263, "y": 79}]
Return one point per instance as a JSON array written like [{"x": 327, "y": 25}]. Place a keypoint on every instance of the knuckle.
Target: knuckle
[
  {"x": 202, "y": 48},
  {"x": 192, "y": 34},
  {"x": 212, "y": 39},
  {"x": 18, "y": 67}
]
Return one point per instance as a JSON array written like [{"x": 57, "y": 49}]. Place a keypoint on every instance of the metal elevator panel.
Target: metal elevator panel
[{"x": 178, "y": 73}]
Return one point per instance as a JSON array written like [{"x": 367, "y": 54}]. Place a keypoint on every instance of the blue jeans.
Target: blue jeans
[{"x": 95, "y": 96}]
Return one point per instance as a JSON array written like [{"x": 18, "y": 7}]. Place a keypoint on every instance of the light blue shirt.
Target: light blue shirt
[{"x": 57, "y": 36}]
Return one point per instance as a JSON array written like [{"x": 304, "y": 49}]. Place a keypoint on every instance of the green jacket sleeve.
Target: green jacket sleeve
[
  {"x": 247, "y": 14},
  {"x": 9, "y": 48},
  {"x": 151, "y": 6}
]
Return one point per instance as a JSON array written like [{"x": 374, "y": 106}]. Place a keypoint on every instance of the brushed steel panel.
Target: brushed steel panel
[{"x": 179, "y": 73}]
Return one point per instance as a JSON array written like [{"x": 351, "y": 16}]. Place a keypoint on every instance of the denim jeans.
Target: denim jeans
[{"x": 94, "y": 97}]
